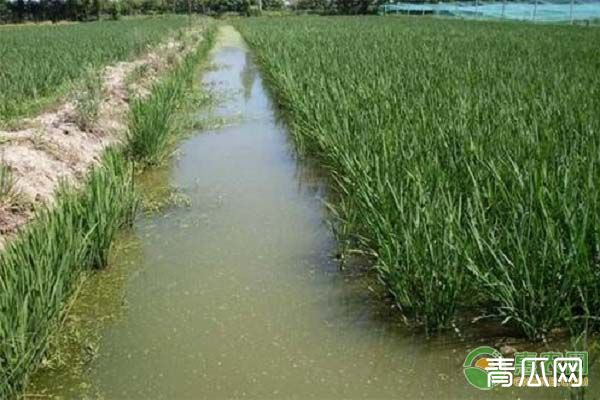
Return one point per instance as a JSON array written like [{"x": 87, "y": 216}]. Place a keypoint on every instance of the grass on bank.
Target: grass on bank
[
  {"x": 88, "y": 97},
  {"x": 41, "y": 269},
  {"x": 465, "y": 154}
]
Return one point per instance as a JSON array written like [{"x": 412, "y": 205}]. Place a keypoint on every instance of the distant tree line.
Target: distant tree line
[
  {"x": 336, "y": 6},
  {"x": 17, "y": 11}
]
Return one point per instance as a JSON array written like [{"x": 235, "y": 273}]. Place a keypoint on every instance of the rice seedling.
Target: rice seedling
[
  {"x": 103, "y": 215},
  {"x": 154, "y": 121},
  {"x": 40, "y": 269},
  {"x": 39, "y": 63},
  {"x": 464, "y": 153}
]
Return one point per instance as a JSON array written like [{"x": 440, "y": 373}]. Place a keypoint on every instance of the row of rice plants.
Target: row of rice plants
[
  {"x": 157, "y": 121},
  {"x": 39, "y": 62},
  {"x": 465, "y": 154},
  {"x": 40, "y": 270}
]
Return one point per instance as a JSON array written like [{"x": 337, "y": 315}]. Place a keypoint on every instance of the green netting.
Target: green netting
[{"x": 557, "y": 11}]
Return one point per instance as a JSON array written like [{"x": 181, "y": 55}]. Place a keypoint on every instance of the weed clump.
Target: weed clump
[
  {"x": 8, "y": 191},
  {"x": 88, "y": 98}
]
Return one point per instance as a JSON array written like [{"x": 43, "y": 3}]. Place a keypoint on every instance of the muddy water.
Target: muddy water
[{"x": 238, "y": 296}]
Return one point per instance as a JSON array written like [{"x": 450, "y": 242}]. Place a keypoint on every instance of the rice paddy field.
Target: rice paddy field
[
  {"x": 464, "y": 154},
  {"x": 38, "y": 63},
  {"x": 458, "y": 159}
]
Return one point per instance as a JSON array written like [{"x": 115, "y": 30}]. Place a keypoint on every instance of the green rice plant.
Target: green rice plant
[
  {"x": 105, "y": 216},
  {"x": 40, "y": 269},
  {"x": 88, "y": 98},
  {"x": 464, "y": 154},
  {"x": 156, "y": 122}
]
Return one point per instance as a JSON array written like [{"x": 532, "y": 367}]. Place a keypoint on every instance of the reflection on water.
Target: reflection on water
[
  {"x": 248, "y": 76},
  {"x": 238, "y": 295}
]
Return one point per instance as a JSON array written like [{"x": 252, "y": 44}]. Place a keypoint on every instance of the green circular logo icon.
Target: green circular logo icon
[{"x": 475, "y": 364}]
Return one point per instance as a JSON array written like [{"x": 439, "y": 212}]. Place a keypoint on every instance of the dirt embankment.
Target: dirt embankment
[{"x": 53, "y": 148}]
